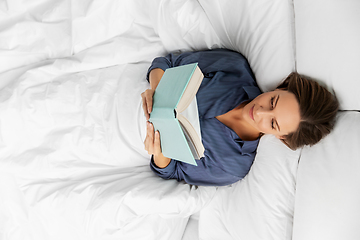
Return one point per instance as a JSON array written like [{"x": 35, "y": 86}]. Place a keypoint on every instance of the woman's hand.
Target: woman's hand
[
  {"x": 153, "y": 147},
  {"x": 152, "y": 140},
  {"x": 147, "y": 102},
  {"x": 147, "y": 97}
]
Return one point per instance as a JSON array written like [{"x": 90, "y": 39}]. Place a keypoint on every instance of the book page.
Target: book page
[
  {"x": 190, "y": 90},
  {"x": 190, "y": 142},
  {"x": 193, "y": 139},
  {"x": 192, "y": 115},
  {"x": 189, "y": 120}
]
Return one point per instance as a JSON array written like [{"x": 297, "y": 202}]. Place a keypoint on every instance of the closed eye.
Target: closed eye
[
  {"x": 277, "y": 124},
  {"x": 273, "y": 105},
  {"x": 272, "y": 102}
]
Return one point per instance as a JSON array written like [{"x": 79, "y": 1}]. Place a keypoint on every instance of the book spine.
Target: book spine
[{"x": 162, "y": 113}]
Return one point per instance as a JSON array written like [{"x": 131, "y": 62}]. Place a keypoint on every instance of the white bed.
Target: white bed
[{"x": 72, "y": 163}]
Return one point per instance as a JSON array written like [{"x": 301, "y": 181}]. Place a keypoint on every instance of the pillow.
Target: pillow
[
  {"x": 261, "y": 30},
  {"x": 327, "y": 46},
  {"x": 328, "y": 185},
  {"x": 261, "y": 205},
  {"x": 182, "y": 25}
]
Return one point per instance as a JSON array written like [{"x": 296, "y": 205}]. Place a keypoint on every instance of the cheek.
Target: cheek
[{"x": 263, "y": 127}]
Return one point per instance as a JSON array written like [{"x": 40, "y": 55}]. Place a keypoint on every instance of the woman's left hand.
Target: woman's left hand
[
  {"x": 153, "y": 146},
  {"x": 152, "y": 140}
]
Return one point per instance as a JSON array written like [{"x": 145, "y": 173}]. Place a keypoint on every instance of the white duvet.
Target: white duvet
[
  {"x": 73, "y": 158},
  {"x": 73, "y": 165}
]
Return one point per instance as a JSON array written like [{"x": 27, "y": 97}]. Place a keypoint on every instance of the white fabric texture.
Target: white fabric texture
[
  {"x": 73, "y": 154},
  {"x": 72, "y": 163},
  {"x": 328, "y": 183},
  {"x": 260, "y": 206},
  {"x": 327, "y": 188},
  {"x": 327, "y": 46},
  {"x": 261, "y": 30}
]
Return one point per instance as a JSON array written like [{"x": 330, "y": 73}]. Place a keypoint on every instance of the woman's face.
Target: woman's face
[{"x": 275, "y": 112}]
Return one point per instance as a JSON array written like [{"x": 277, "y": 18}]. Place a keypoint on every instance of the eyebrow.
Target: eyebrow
[{"x": 277, "y": 99}]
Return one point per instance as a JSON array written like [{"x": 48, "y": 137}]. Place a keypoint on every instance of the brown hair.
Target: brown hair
[{"x": 318, "y": 108}]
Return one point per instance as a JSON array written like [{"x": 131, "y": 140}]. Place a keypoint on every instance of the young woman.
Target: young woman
[{"x": 234, "y": 114}]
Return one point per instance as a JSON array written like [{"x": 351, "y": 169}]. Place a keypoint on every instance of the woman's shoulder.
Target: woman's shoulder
[{"x": 223, "y": 52}]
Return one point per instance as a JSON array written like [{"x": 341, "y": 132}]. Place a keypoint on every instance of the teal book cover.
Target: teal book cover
[{"x": 175, "y": 91}]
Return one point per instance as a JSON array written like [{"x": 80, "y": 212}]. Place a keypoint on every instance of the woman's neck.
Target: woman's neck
[{"x": 234, "y": 120}]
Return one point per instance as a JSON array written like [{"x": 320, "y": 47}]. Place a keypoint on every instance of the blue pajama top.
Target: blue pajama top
[{"x": 228, "y": 81}]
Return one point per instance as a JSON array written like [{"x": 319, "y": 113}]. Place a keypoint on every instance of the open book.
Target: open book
[{"x": 174, "y": 99}]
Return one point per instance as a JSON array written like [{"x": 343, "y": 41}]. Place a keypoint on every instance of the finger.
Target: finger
[
  {"x": 150, "y": 139},
  {"x": 146, "y": 144},
  {"x": 157, "y": 145},
  {"x": 149, "y": 102},
  {"x": 147, "y": 139},
  {"x": 145, "y": 107},
  {"x": 148, "y": 129}
]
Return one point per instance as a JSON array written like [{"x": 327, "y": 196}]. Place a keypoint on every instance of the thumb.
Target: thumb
[{"x": 157, "y": 144}]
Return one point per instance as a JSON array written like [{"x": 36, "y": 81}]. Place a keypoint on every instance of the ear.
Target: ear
[{"x": 280, "y": 137}]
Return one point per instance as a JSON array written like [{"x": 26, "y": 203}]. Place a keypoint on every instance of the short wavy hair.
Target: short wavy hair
[{"x": 318, "y": 109}]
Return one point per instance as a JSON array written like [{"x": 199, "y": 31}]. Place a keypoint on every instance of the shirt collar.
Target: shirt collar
[
  {"x": 252, "y": 91},
  {"x": 246, "y": 146}
]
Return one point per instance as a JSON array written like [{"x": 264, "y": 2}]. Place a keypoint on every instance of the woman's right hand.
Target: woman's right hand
[
  {"x": 155, "y": 76},
  {"x": 147, "y": 101}
]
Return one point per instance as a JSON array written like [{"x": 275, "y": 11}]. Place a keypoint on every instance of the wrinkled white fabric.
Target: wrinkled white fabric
[
  {"x": 73, "y": 164},
  {"x": 73, "y": 152}
]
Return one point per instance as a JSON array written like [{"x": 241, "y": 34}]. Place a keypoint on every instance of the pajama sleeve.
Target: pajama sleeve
[{"x": 202, "y": 175}]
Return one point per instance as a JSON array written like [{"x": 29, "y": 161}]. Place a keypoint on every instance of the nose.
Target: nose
[{"x": 263, "y": 112}]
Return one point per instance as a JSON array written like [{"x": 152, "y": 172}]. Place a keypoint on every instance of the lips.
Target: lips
[{"x": 251, "y": 113}]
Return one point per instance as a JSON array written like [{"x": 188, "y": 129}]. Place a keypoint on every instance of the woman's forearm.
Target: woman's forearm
[
  {"x": 161, "y": 161},
  {"x": 155, "y": 76}
]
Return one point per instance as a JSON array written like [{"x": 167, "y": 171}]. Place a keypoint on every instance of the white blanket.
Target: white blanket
[
  {"x": 72, "y": 151},
  {"x": 73, "y": 165}
]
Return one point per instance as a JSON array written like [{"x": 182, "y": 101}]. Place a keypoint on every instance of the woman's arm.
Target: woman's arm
[
  {"x": 155, "y": 76},
  {"x": 147, "y": 97},
  {"x": 152, "y": 145},
  {"x": 152, "y": 141}
]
